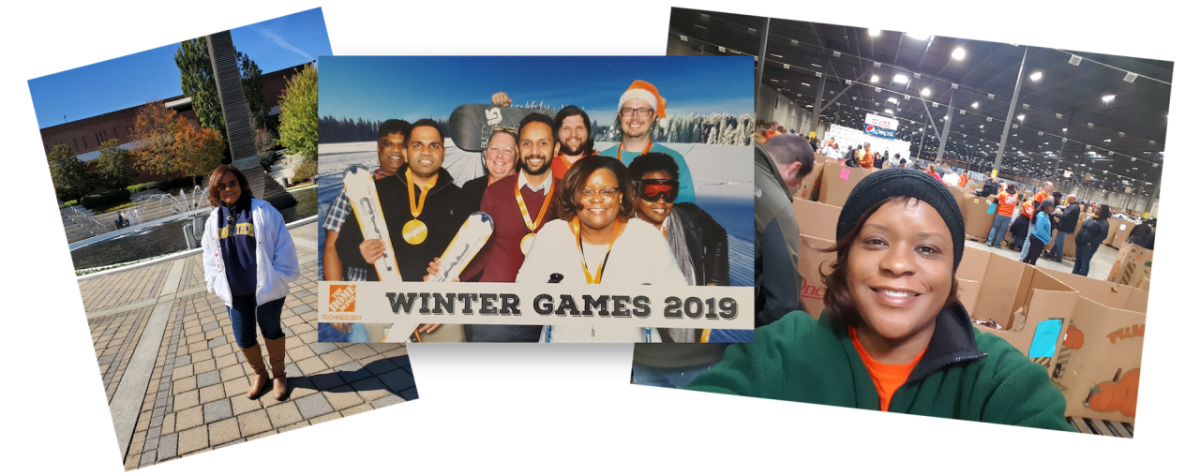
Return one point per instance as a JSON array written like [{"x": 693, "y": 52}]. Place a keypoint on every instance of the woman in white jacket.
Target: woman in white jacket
[
  {"x": 249, "y": 259},
  {"x": 594, "y": 239}
]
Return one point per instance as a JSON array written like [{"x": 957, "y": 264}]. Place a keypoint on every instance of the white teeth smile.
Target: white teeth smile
[
  {"x": 596, "y": 210},
  {"x": 659, "y": 210},
  {"x": 896, "y": 293}
]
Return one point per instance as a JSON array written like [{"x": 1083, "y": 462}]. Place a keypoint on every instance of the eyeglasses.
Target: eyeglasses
[
  {"x": 228, "y": 185},
  {"x": 606, "y": 194},
  {"x": 641, "y": 112},
  {"x": 653, "y": 189}
]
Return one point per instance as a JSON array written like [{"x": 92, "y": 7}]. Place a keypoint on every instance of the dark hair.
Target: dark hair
[
  {"x": 1104, "y": 212},
  {"x": 571, "y": 185},
  {"x": 425, "y": 123},
  {"x": 569, "y": 111},
  {"x": 214, "y": 196},
  {"x": 394, "y": 126},
  {"x": 538, "y": 117},
  {"x": 838, "y": 300},
  {"x": 653, "y": 162}
]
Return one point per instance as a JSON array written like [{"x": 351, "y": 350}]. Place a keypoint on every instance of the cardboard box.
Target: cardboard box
[
  {"x": 1099, "y": 356},
  {"x": 1118, "y": 232},
  {"x": 968, "y": 293},
  {"x": 1133, "y": 264},
  {"x": 837, "y": 181},
  {"x": 810, "y": 187},
  {"x": 976, "y": 217},
  {"x": 818, "y": 229},
  {"x": 1031, "y": 307}
]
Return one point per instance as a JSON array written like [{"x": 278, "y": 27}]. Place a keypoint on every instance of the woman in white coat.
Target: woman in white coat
[
  {"x": 594, "y": 240},
  {"x": 249, "y": 259}
]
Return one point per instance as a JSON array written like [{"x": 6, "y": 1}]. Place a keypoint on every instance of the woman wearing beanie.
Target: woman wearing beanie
[
  {"x": 893, "y": 336},
  {"x": 248, "y": 260},
  {"x": 1039, "y": 235}
]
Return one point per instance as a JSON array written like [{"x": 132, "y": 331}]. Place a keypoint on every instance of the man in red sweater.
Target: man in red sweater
[{"x": 519, "y": 205}]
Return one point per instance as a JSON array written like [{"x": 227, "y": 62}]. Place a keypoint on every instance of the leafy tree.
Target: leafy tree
[
  {"x": 305, "y": 171},
  {"x": 298, "y": 113},
  {"x": 115, "y": 169},
  {"x": 153, "y": 132},
  {"x": 71, "y": 177},
  {"x": 252, "y": 88},
  {"x": 197, "y": 81},
  {"x": 198, "y": 150}
]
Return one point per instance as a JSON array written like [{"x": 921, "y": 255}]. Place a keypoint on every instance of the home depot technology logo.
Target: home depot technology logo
[{"x": 341, "y": 297}]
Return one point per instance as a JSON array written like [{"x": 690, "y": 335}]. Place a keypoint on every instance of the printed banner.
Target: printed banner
[
  {"x": 619, "y": 309},
  {"x": 880, "y": 126}
]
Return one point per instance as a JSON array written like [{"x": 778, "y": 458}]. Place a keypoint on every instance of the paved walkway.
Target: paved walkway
[{"x": 176, "y": 381}]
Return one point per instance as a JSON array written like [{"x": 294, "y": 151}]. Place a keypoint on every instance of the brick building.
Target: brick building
[{"x": 86, "y": 135}]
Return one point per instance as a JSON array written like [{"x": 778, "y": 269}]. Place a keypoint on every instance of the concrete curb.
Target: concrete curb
[{"x": 177, "y": 255}]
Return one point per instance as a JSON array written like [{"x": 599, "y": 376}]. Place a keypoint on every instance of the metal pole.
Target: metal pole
[
  {"x": 816, "y": 115},
  {"x": 762, "y": 55},
  {"x": 1012, "y": 107},
  {"x": 946, "y": 127},
  {"x": 1153, "y": 196}
]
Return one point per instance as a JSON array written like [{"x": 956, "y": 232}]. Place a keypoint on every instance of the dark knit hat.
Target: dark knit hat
[{"x": 886, "y": 184}]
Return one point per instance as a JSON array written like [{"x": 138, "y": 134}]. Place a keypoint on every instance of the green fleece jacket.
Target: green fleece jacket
[{"x": 964, "y": 374}]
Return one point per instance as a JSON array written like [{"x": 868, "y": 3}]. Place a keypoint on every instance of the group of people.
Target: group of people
[
  {"x": 562, "y": 211},
  {"x": 128, "y": 218}
]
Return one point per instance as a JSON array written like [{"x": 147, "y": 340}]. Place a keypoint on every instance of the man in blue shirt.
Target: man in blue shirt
[{"x": 638, "y": 110}]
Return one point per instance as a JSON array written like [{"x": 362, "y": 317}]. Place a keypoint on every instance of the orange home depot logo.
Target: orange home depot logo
[
  {"x": 341, "y": 298},
  {"x": 1127, "y": 332},
  {"x": 811, "y": 291}
]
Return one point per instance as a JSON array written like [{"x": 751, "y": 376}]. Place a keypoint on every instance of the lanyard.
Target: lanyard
[
  {"x": 644, "y": 151},
  {"x": 620, "y": 225},
  {"x": 530, "y": 223},
  {"x": 415, "y": 206}
]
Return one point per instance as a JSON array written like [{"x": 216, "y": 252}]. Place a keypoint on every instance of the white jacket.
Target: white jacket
[
  {"x": 640, "y": 256},
  {"x": 275, "y": 255}
]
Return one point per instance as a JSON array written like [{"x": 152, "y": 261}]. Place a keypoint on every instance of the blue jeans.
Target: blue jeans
[
  {"x": 1060, "y": 238},
  {"x": 243, "y": 314},
  {"x": 668, "y": 378},
  {"x": 999, "y": 227},
  {"x": 1025, "y": 245},
  {"x": 1083, "y": 259}
]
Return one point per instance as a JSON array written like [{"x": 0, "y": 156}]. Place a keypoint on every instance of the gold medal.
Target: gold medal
[
  {"x": 527, "y": 243},
  {"x": 415, "y": 231}
]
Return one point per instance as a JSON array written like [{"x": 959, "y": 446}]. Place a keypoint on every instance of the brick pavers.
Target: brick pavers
[{"x": 196, "y": 399}]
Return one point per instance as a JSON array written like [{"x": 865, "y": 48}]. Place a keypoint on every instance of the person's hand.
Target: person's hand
[
  {"x": 501, "y": 99},
  {"x": 434, "y": 268},
  {"x": 342, "y": 327},
  {"x": 427, "y": 328},
  {"x": 372, "y": 250}
]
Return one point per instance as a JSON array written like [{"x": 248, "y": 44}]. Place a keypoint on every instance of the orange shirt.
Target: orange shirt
[
  {"x": 559, "y": 165},
  {"x": 962, "y": 181},
  {"x": 867, "y": 160},
  {"x": 887, "y": 377},
  {"x": 1008, "y": 202}
]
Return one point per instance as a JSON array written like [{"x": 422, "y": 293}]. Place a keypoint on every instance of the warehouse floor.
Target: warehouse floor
[{"x": 1102, "y": 261}]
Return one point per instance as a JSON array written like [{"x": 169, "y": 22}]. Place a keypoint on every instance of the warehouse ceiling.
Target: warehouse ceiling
[{"x": 1062, "y": 120}]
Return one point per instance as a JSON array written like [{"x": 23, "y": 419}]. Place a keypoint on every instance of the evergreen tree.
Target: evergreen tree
[
  {"x": 71, "y": 177},
  {"x": 298, "y": 113}
]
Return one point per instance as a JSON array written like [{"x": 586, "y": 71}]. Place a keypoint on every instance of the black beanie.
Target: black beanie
[{"x": 885, "y": 184}]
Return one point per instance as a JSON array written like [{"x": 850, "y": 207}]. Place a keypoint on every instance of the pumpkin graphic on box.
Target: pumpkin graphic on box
[
  {"x": 1118, "y": 395},
  {"x": 1130, "y": 382},
  {"x": 1073, "y": 338}
]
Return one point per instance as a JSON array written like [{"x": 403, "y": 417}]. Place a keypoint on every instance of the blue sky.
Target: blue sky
[
  {"x": 410, "y": 88},
  {"x": 133, "y": 80}
]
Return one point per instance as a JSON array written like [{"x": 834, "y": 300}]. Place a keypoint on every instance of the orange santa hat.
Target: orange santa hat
[{"x": 646, "y": 92}]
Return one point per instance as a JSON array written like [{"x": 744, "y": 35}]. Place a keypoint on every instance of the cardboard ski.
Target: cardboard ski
[
  {"x": 470, "y": 239},
  {"x": 471, "y": 125}
]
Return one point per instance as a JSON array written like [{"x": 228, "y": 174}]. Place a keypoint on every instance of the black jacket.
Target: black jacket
[
  {"x": 708, "y": 245},
  {"x": 1069, "y": 219},
  {"x": 440, "y": 215},
  {"x": 472, "y": 194},
  {"x": 1092, "y": 233}
]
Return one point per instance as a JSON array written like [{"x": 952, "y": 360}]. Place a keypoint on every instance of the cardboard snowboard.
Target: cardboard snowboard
[
  {"x": 470, "y": 239},
  {"x": 471, "y": 125},
  {"x": 364, "y": 199}
]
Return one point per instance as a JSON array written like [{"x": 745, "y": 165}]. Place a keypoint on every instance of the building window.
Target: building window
[
  {"x": 85, "y": 146},
  {"x": 75, "y": 144},
  {"x": 115, "y": 135}
]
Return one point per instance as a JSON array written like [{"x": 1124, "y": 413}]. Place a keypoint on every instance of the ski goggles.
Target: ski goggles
[{"x": 653, "y": 189}]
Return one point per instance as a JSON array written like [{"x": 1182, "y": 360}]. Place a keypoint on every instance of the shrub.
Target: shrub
[
  {"x": 306, "y": 170},
  {"x": 106, "y": 198}
]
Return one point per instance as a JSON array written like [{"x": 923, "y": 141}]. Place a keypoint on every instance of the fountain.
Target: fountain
[{"x": 88, "y": 223}]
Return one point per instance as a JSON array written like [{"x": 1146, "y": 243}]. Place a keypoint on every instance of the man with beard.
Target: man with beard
[
  {"x": 420, "y": 208},
  {"x": 519, "y": 205},
  {"x": 639, "y": 110},
  {"x": 574, "y": 139}
]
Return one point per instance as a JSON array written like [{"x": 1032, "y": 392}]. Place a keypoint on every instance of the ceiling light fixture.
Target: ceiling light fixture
[
  {"x": 873, "y": 31},
  {"x": 925, "y": 92},
  {"x": 1108, "y": 98},
  {"x": 1036, "y": 75},
  {"x": 959, "y": 53},
  {"x": 874, "y": 78},
  {"x": 900, "y": 78}
]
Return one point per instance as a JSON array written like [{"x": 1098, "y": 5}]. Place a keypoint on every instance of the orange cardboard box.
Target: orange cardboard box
[
  {"x": 1133, "y": 264},
  {"x": 837, "y": 181},
  {"x": 810, "y": 187},
  {"x": 818, "y": 228}
]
